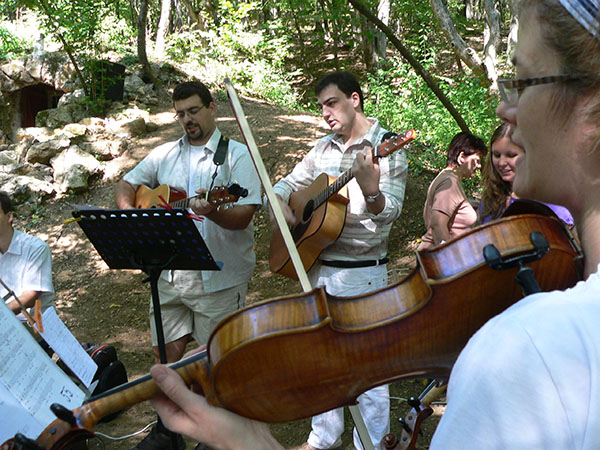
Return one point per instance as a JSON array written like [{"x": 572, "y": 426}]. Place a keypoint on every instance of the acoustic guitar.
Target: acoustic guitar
[
  {"x": 320, "y": 212},
  {"x": 177, "y": 198}
]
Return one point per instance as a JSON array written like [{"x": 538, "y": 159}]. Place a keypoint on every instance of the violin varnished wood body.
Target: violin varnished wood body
[
  {"x": 313, "y": 352},
  {"x": 297, "y": 356}
]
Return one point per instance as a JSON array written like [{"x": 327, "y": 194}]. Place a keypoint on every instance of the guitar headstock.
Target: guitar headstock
[
  {"x": 222, "y": 195},
  {"x": 395, "y": 142}
]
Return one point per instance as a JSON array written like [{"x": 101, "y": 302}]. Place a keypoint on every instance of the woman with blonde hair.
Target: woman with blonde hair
[{"x": 498, "y": 175}]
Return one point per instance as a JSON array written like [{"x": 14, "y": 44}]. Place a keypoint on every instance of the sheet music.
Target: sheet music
[
  {"x": 66, "y": 346},
  {"x": 13, "y": 413},
  {"x": 28, "y": 377}
]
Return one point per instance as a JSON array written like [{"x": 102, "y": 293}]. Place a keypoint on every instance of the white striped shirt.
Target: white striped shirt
[{"x": 365, "y": 235}]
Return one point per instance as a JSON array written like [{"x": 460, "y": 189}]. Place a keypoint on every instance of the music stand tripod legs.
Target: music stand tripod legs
[
  {"x": 153, "y": 273},
  {"x": 151, "y": 240}
]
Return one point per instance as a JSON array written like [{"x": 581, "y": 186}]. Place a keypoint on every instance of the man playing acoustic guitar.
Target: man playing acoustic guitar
[
  {"x": 194, "y": 302},
  {"x": 356, "y": 262}
]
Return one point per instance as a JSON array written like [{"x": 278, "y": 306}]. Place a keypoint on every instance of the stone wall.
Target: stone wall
[{"x": 66, "y": 147}]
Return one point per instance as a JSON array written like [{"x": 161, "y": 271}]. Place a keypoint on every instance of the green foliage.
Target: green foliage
[
  {"x": 253, "y": 60},
  {"x": 402, "y": 100},
  {"x": 12, "y": 46},
  {"x": 115, "y": 34}
]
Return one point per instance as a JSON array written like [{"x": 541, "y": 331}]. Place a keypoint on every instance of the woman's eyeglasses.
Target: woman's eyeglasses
[{"x": 510, "y": 89}]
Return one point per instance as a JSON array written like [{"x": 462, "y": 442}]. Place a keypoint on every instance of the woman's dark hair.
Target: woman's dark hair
[
  {"x": 190, "y": 88},
  {"x": 345, "y": 82},
  {"x": 466, "y": 143}
]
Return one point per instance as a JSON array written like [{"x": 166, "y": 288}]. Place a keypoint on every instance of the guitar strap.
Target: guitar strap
[
  {"x": 219, "y": 157},
  {"x": 221, "y": 152}
]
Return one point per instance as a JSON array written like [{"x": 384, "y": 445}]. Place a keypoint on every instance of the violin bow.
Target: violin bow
[
  {"x": 283, "y": 227},
  {"x": 266, "y": 182}
]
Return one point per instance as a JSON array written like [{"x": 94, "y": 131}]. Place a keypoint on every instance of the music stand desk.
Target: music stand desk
[{"x": 151, "y": 240}]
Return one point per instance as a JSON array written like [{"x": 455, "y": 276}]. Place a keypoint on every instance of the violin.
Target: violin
[{"x": 296, "y": 356}]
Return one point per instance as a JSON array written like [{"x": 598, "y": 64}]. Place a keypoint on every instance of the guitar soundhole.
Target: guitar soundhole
[
  {"x": 308, "y": 210},
  {"x": 298, "y": 230}
]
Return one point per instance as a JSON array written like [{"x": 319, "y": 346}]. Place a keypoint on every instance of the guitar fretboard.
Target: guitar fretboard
[
  {"x": 343, "y": 179},
  {"x": 183, "y": 203}
]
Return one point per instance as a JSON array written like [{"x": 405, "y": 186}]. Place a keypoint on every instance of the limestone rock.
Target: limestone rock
[
  {"x": 43, "y": 152},
  {"x": 26, "y": 189},
  {"x": 105, "y": 149},
  {"x": 72, "y": 169}
]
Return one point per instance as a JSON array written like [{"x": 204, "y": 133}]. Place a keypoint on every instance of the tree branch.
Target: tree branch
[{"x": 413, "y": 62}]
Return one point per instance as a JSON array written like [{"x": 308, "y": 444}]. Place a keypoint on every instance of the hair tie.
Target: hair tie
[{"x": 586, "y": 13}]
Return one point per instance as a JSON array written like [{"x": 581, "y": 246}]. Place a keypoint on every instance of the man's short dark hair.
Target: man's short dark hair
[
  {"x": 345, "y": 82},
  {"x": 5, "y": 202},
  {"x": 466, "y": 143},
  {"x": 190, "y": 88}
]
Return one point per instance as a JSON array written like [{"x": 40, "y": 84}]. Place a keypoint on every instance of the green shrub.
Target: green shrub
[
  {"x": 253, "y": 61},
  {"x": 12, "y": 46},
  {"x": 401, "y": 100}
]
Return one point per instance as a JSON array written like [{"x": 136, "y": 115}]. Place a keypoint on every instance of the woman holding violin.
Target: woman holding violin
[
  {"x": 498, "y": 176},
  {"x": 447, "y": 212},
  {"x": 530, "y": 377}
]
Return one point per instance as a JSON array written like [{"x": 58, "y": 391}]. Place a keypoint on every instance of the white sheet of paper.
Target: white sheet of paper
[
  {"x": 13, "y": 413},
  {"x": 66, "y": 346},
  {"x": 30, "y": 378}
]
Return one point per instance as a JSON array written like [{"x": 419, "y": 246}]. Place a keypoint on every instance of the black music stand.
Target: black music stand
[{"x": 151, "y": 240}]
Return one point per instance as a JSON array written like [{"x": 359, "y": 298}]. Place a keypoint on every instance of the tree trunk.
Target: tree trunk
[
  {"x": 513, "y": 6},
  {"x": 335, "y": 35},
  {"x": 383, "y": 13},
  {"x": 491, "y": 39},
  {"x": 413, "y": 62},
  {"x": 300, "y": 35},
  {"x": 163, "y": 28},
  {"x": 467, "y": 54},
  {"x": 196, "y": 22},
  {"x": 141, "y": 45},
  {"x": 368, "y": 47}
]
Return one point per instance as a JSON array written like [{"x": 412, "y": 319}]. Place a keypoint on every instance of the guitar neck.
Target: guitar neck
[
  {"x": 338, "y": 184},
  {"x": 184, "y": 202}
]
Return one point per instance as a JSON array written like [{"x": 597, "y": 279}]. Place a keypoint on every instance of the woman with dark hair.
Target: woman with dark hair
[
  {"x": 498, "y": 175},
  {"x": 447, "y": 212}
]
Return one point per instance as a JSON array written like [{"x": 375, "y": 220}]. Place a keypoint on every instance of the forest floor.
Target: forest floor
[{"x": 101, "y": 305}]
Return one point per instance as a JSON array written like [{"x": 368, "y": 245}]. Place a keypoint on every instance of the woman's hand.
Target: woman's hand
[{"x": 183, "y": 411}]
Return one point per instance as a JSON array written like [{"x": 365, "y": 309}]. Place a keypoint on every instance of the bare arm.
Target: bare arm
[
  {"x": 439, "y": 227},
  {"x": 124, "y": 195},
  {"x": 236, "y": 218},
  {"x": 27, "y": 298},
  {"x": 183, "y": 411}
]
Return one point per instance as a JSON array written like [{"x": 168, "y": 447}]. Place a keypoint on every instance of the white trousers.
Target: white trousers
[{"x": 374, "y": 405}]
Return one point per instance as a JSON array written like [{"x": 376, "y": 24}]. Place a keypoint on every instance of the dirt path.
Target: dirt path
[{"x": 101, "y": 305}]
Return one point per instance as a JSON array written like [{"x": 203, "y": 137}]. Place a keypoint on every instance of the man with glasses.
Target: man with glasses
[{"x": 194, "y": 302}]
